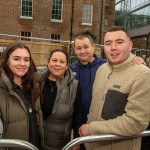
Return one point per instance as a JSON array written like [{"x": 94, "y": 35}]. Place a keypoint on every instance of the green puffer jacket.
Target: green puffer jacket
[{"x": 14, "y": 114}]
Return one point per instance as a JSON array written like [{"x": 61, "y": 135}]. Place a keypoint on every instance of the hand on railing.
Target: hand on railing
[{"x": 104, "y": 137}]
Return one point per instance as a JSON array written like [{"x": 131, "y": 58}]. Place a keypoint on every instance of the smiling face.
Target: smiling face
[
  {"x": 117, "y": 47},
  {"x": 19, "y": 62},
  {"x": 57, "y": 64},
  {"x": 84, "y": 50}
]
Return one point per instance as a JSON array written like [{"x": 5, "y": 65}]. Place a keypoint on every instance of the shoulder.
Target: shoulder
[
  {"x": 74, "y": 65},
  {"x": 98, "y": 62},
  {"x": 99, "y": 59},
  {"x": 103, "y": 67},
  {"x": 36, "y": 76},
  {"x": 140, "y": 70}
]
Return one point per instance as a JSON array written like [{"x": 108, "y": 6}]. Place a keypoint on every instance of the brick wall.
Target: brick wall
[
  {"x": 139, "y": 42},
  {"x": 41, "y": 25}
]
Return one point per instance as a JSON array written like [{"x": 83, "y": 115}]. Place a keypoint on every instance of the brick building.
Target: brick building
[{"x": 56, "y": 19}]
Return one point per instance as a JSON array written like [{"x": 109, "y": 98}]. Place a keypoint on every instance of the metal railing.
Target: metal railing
[
  {"x": 15, "y": 143},
  {"x": 104, "y": 137}
]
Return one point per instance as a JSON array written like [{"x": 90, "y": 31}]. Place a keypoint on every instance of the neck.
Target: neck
[
  {"x": 18, "y": 81},
  {"x": 86, "y": 62},
  {"x": 52, "y": 78}
]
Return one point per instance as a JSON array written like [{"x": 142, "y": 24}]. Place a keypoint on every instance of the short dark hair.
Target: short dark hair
[
  {"x": 62, "y": 51},
  {"x": 118, "y": 28},
  {"x": 26, "y": 80},
  {"x": 84, "y": 34}
]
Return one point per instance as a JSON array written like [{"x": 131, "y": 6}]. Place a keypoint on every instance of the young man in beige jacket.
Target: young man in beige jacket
[{"x": 120, "y": 102}]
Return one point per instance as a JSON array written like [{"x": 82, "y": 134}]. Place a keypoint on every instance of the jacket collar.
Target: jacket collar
[
  {"x": 68, "y": 77},
  {"x": 122, "y": 65},
  {"x": 6, "y": 81}
]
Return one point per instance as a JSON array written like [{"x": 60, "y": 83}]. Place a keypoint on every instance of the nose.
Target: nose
[
  {"x": 82, "y": 50},
  {"x": 113, "y": 46},
  {"x": 58, "y": 63},
  {"x": 22, "y": 62}
]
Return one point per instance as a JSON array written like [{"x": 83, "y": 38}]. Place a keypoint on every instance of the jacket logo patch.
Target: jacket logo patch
[{"x": 116, "y": 86}]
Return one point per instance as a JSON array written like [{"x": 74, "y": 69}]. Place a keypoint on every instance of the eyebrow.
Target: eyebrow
[
  {"x": 20, "y": 56},
  {"x": 58, "y": 59},
  {"x": 116, "y": 40}
]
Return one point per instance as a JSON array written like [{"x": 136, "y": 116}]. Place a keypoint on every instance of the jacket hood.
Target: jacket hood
[
  {"x": 96, "y": 61},
  {"x": 5, "y": 81},
  {"x": 68, "y": 76}
]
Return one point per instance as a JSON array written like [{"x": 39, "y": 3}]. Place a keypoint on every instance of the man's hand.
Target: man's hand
[
  {"x": 138, "y": 60},
  {"x": 84, "y": 130}
]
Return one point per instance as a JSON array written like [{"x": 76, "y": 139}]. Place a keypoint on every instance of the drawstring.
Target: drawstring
[
  {"x": 7, "y": 114},
  {"x": 90, "y": 76}
]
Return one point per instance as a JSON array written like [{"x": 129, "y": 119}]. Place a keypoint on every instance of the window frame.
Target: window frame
[
  {"x": 55, "y": 40},
  {"x": 25, "y": 38},
  {"x": 84, "y": 15},
  {"x": 24, "y": 16},
  {"x": 61, "y": 12},
  {"x": 107, "y": 2}
]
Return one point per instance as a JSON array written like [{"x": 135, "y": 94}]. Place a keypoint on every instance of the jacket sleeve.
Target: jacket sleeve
[
  {"x": 77, "y": 115},
  {"x": 137, "y": 112}
]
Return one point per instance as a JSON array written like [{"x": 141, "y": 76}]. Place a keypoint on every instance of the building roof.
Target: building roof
[{"x": 144, "y": 30}]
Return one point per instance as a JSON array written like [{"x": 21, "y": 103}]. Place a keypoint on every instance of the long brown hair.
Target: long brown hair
[{"x": 26, "y": 80}]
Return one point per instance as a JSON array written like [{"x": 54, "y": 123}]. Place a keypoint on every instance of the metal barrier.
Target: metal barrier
[
  {"x": 104, "y": 137},
  {"x": 17, "y": 144}
]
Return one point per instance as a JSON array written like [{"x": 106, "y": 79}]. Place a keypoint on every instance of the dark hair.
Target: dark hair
[
  {"x": 26, "y": 80},
  {"x": 118, "y": 28},
  {"x": 62, "y": 51},
  {"x": 86, "y": 34}
]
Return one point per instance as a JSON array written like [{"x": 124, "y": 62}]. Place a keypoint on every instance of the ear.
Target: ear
[
  {"x": 93, "y": 45},
  {"x": 74, "y": 51},
  {"x": 131, "y": 45}
]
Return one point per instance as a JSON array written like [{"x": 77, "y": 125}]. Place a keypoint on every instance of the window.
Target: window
[
  {"x": 106, "y": 2},
  {"x": 87, "y": 14},
  {"x": 25, "y": 34},
  {"x": 55, "y": 38},
  {"x": 57, "y": 10},
  {"x": 26, "y": 8},
  {"x": 2, "y": 48},
  {"x": 105, "y": 24}
]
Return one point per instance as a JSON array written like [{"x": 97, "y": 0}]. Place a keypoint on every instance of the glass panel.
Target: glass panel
[{"x": 133, "y": 14}]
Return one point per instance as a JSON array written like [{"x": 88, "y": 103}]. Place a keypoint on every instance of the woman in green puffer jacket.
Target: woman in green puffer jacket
[{"x": 20, "y": 109}]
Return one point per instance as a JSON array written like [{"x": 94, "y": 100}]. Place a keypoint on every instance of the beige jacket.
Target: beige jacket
[{"x": 120, "y": 104}]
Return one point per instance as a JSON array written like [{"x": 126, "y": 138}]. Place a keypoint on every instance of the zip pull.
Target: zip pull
[{"x": 30, "y": 110}]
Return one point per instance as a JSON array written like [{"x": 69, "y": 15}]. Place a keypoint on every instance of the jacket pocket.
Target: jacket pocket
[{"x": 114, "y": 104}]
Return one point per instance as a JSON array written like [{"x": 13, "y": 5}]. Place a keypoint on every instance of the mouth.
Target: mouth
[
  {"x": 21, "y": 69},
  {"x": 57, "y": 69},
  {"x": 114, "y": 54},
  {"x": 83, "y": 55}
]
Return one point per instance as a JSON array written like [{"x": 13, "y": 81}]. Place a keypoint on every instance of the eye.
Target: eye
[
  {"x": 62, "y": 62},
  {"x": 85, "y": 47},
  {"x": 16, "y": 58},
  {"x": 107, "y": 43},
  {"x": 119, "y": 42},
  {"x": 27, "y": 59},
  {"x": 54, "y": 60},
  {"x": 78, "y": 48}
]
